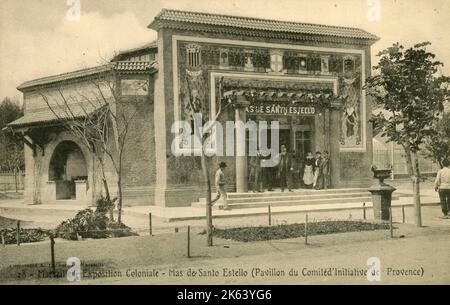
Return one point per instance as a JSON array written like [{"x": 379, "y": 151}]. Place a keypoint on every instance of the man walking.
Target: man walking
[
  {"x": 442, "y": 185},
  {"x": 220, "y": 186}
]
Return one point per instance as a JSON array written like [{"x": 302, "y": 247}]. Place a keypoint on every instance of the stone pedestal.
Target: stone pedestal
[
  {"x": 381, "y": 200},
  {"x": 81, "y": 191},
  {"x": 49, "y": 195}
]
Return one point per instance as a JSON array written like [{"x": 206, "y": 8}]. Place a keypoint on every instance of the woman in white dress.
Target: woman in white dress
[{"x": 308, "y": 174}]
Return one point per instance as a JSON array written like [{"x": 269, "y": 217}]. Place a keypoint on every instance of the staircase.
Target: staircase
[{"x": 295, "y": 198}]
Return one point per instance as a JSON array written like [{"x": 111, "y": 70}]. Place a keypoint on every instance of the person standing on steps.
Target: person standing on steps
[
  {"x": 326, "y": 170},
  {"x": 285, "y": 169},
  {"x": 255, "y": 172},
  {"x": 318, "y": 171},
  {"x": 308, "y": 171},
  {"x": 442, "y": 185},
  {"x": 267, "y": 173}
]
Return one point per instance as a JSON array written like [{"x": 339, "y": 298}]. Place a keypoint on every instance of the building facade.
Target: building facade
[{"x": 307, "y": 77}]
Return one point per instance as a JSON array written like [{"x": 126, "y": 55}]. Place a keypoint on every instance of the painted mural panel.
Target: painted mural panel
[{"x": 196, "y": 60}]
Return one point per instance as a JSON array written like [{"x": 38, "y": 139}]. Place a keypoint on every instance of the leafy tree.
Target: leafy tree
[
  {"x": 412, "y": 97},
  {"x": 437, "y": 146},
  {"x": 11, "y": 151}
]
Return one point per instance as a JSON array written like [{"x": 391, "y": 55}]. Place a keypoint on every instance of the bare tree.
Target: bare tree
[
  {"x": 101, "y": 123},
  {"x": 203, "y": 137}
]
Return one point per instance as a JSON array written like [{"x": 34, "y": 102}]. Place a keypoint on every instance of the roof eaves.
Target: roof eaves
[
  {"x": 151, "y": 67},
  {"x": 65, "y": 76},
  {"x": 257, "y": 24},
  {"x": 148, "y": 46}
]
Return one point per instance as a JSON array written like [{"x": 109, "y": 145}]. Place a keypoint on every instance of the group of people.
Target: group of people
[{"x": 293, "y": 171}]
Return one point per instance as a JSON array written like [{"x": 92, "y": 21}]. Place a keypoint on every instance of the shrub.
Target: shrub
[
  {"x": 90, "y": 224},
  {"x": 26, "y": 235},
  {"x": 249, "y": 234},
  {"x": 104, "y": 205}
]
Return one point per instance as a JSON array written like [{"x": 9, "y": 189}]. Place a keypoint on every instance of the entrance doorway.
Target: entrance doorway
[
  {"x": 303, "y": 142},
  {"x": 285, "y": 139},
  {"x": 67, "y": 165},
  {"x": 297, "y": 134}
]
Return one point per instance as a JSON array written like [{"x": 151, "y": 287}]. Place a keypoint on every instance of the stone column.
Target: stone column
[
  {"x": 334, "y": 148},
  {"x": 241, "y": 161},
  {"x": 241, "y": 105},
  {"x": 326, "y": 129}
]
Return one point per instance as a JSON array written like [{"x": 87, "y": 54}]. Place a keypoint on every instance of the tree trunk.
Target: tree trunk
[
  {"x": 417, "y": 206},
  {"x": 209, "y": 225},
  {"x": 15, "y": 179},
  {"x": 105, "y": 185},
  {"x": 108, "y": 197},
  {"x": 413, "y": 170},
  {"x": 119, "y": 199}
]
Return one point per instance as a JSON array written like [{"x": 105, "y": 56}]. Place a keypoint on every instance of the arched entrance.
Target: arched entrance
[{"x": 67, "y": 165}]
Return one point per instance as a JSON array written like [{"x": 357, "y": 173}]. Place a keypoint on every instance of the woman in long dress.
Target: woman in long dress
[{"x": 308, "y": 173}]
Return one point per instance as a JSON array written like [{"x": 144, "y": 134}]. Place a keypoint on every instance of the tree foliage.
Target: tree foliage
[
  {"x": 11, "y": 151},
  {"x": 409, "y": 92},
  {"x": 437, "y": 146}
]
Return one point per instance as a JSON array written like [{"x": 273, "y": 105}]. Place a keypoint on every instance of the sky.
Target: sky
[{"x": 37, "y": 39}]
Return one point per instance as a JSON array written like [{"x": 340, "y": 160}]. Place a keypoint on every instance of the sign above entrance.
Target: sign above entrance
[{"x": 280, "y": 109}]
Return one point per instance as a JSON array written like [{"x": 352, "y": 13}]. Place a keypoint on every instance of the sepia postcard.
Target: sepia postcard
[{"x": 238, "y": 142}]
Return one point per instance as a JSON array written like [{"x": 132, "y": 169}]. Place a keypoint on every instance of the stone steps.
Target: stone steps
[
  {"x": 291, "y": 196},
  {"x": 296, "y": 198},
  {"x": 278, "y": 193}
]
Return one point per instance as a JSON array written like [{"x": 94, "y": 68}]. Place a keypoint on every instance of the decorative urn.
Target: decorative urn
[{"x": 381, "y": 193}]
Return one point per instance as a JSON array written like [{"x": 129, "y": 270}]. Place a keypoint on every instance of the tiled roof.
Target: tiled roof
[
  {"x": 135, "y": 65},
  {"x": 46, "y": 115},
  {"x": 65, "y": 76},
  {"x": 151, "y": 45},
  {"x": 169, "y": 16},
  {"x": 122, "y": 66}
]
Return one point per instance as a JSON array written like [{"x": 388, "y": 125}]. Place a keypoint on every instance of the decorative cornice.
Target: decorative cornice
[
  {"x": 255, "y": 27},
  {"x": 263, "y": 34}
]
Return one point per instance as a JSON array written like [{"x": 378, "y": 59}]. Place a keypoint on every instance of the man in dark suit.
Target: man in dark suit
[
  {"x": 326, "y": 170},
  {"x": 318, "y": 171},
  {"x": 267, "y": 173},
  {"x": 285, "y": 169},
  {"x": 255, "y": 172}
]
